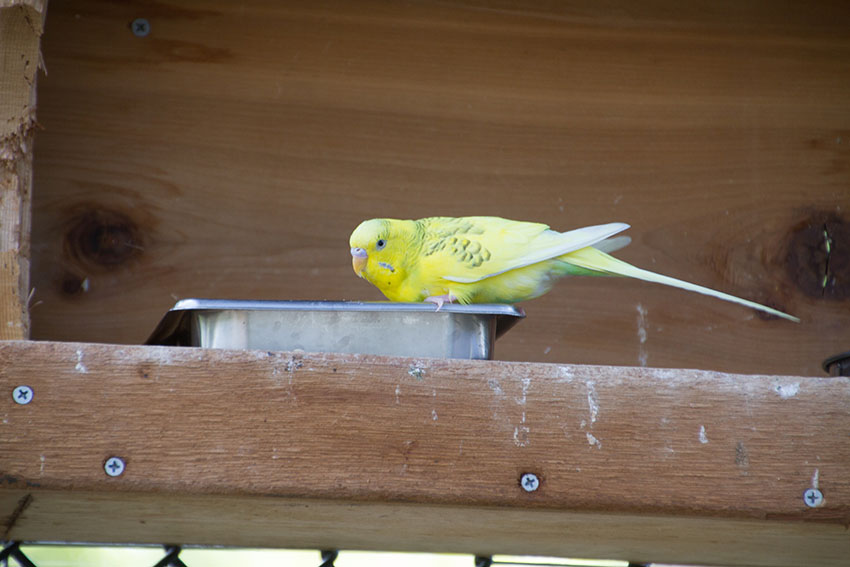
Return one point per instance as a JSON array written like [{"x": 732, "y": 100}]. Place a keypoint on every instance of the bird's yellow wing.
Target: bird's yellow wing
[{"x": 471, "y": 249}]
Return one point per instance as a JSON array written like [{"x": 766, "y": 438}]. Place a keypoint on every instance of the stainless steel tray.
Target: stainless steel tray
[{"x": 400, "y": 329}]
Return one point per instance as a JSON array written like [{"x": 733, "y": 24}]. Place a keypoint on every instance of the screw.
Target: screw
[
  {"x": 114, "y": 466},
  {"x": 813, "y": 497},
  {"x": 22, "y": 395},
  {"x": 529, "y": 482},
  {"x": 141, "y": 27}
]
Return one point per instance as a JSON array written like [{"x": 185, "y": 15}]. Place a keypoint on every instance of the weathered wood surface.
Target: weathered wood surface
[
  {"x": 21, "y": 26},
  {"x": 663, "y": 455},
  {"x": 230, "y": 153},
  {"x": 399, "y": 526}
]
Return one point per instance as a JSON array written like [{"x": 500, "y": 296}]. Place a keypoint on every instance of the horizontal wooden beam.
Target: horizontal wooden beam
[
  {"x": 256, "y": 521},
  {"x": 353, "y": 451}
]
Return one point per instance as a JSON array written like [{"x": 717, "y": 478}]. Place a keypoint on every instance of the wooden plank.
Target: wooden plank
[
  {"x": 350, "y": 443},
  {"x": 21, "y": 26},
  {"x": 231, "y": 152},
  {"x": 397, "y": 526}
]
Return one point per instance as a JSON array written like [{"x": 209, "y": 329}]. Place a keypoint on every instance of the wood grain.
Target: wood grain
[
  {"x": 610, "y": 444},
  {"x": 231, "y": 152},
  {"x": 398, "y": 526},
  {"x": 21, "y": 26}
]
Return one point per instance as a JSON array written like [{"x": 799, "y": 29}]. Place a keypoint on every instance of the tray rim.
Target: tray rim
[
  {"x": 506, "y": 315},
  {"x": 193, "y": 304}
]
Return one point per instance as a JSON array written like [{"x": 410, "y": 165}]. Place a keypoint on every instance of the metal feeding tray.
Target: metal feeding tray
[{"x": 381, "y": 327}]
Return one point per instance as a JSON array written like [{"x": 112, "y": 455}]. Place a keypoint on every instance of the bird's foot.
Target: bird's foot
[{"x": 440, "y": 300}]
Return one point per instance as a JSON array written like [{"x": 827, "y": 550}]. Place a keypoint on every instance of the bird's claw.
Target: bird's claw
[{"x": 440, "y": 300}]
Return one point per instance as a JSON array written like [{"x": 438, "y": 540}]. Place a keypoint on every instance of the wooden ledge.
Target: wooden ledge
[{"x": 352, "y": 451}]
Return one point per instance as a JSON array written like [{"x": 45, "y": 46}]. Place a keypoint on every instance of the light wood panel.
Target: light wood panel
[
  {"x": 231, "y": 152},
  {"x": 298, "y": 449},
  {"x": 398, "y": 526},
  {"x": 21, "y": 26}
]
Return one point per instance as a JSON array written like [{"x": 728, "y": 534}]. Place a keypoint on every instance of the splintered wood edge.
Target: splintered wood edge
[
  {"x": 21, "y": 26},
  {"x": 667, "y": 465}
]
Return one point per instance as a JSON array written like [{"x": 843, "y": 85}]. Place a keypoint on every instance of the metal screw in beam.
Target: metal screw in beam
[
  {"x": 529, "y": 482},
  {"x": 141, "y": 27},
  {"x": 114, "y": 466},
  {"x": 813, "y": 497},
  {"x": 22, "y": 395}
]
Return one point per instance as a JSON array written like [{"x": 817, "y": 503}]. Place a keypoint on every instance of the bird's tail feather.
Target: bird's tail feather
[
  {"x": 597, "y": 261},
  {"x": 613, "y": 244}
]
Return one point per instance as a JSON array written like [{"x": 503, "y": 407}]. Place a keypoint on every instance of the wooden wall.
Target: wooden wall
[{"x": 231, "y": 151}]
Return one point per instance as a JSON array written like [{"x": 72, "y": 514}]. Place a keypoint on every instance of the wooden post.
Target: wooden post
[
  {"x": 21, "y": 25},
  {"x": 253, "y": 448}
]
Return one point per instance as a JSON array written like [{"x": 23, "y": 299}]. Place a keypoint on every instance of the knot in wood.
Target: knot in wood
[{"x": 103, "y": 238}]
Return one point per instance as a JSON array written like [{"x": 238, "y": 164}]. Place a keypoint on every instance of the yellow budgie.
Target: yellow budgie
[{"x": 492, "y": 260}]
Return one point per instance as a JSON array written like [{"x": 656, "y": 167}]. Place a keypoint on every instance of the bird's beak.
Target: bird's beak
[{"x": 358, "y": 260}]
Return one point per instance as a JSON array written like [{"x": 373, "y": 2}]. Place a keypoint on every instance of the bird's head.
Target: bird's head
[{"x": 378, "y": 250}]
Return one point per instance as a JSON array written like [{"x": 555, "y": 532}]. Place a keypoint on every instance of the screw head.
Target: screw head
[
  {"x": 529, "y": 482},
  {"x": 22, "y": 395},
  {"x": 141, "y": 27},
  {"x": 813, "y": 497},
  {"x": 114, "y": 466}
]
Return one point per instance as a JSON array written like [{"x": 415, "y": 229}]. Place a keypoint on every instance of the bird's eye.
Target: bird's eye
[{"x": 380, "y": 244}]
